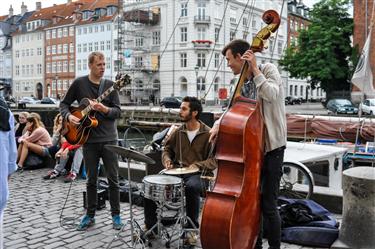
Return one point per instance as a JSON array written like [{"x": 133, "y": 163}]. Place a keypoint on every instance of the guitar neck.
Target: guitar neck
[{"x": 99, "y": 100}]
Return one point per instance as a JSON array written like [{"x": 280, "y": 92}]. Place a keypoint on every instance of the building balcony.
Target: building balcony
[
  {"x": 202, "y": 44},
  {"x": 202, "y": 19},
  {"x": 142, "y": 16}
]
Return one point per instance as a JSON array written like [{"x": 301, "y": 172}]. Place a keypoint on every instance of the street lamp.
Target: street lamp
[
  {"x": 57, "y": 91},
  {"x": 196, "y": 69}
]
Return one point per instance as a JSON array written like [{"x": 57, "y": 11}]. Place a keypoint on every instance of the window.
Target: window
[
  {"x": 301, "y": 91},
  {"x": 17, "y": 53},
  {"x": 138, "y": 61},
  {"x": 71, "y": 66},
  {"x": 27, "y": 70},
  {"x": 84, "y": 48},
  {"x": 23, "y": 53},
  {"x": 48, "y": 67},
  {"x": 108, "y": 45},
  {"x": 65, "y": 66},
  {"x": 39, "y": 68},
  {"x": 107, "y": 62},
  {"x": 79, "y": 31},
  {"x": 156, "y": 38},
  {"x": 27, "y": 52},
  {"x": 216, "y": 60},
  {"x": 184, "y": 9},
  {"x": 233, "y": 16},
  {"x": 183, "y": 60},
  {"x": 31, "y": 52},
  {"x": 96, "y": 46},
  {"x": 85, "y": 30},
  {"x": 232, "y": 35},
  {"x": 254, "y": 23},
  {"x": 39, "y": 51},
  {"x": 90, "y": 30},
  {"x": 65, "y": 32},
  {"x": 183, "y": 34},
  {"x": 79, "y": 65},
  {"x": 139, "y": 41},
  {"x": 244, "y": 21},
  {"x": 65, "y": 48},
  {"x": 217, "y": 33},
  {"x": 53, "y": 49},
  {"x": 90, "y": 47},
  {"x": 201, "y": 62},
  {"x": 59, "y": 33},
  {"x": 102, "y": 45},
  {"x": 17, "y": 70},
  {"x": 201, "y": 84},
  {"x": 96, "y": 28},
  {"x": 54, "y": 67},
  {"x": 23, "y": 70},
  {"x": 295, "y": 90},
  {"x": 101, "y": 28},
  {"x": 84, "y": 64},
  {"x": 71, "y": 31},
  {"x": 71, "y": 47},
  {"x": 280, "y": 47},
  {"x": 201, "y": 10},
  {"x": 59, "y": 66},
  {"x": 290, "y": 90},
  {"x": 48, "y": 34},
  {"x": 201, "y": 33},
  {"x": 79, "y": 48},
  {"x": 59, "y": 49}
]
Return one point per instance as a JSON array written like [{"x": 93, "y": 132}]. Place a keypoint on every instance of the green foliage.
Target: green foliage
[{"x": 324, "y": 54}]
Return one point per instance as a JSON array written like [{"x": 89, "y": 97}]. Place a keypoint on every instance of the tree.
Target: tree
[{"x": 324, "y": 54}]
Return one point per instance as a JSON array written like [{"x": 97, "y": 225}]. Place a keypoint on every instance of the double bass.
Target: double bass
[{"x": 231, "y": 213}]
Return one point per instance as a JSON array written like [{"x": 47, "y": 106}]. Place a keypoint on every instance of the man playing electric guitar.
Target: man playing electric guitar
[{"x": 90, "y": 87}]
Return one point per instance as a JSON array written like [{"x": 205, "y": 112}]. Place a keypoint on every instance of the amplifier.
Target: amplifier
[{"x": 100, "y": 201}]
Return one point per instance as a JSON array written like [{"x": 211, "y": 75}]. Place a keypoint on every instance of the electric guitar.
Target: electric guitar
[{"x": 78, "y": 134}]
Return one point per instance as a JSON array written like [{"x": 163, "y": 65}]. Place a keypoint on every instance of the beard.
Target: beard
[{"x": 187, "y": 118}]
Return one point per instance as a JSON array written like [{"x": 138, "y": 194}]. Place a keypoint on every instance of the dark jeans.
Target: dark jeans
[
  {"x": 194, "y": 187},
  {"x": 270, "y": 184},
  {"x": 91, "y": 155}
]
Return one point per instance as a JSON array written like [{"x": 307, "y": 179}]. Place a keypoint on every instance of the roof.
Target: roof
[{"x": 3, "y": 18}]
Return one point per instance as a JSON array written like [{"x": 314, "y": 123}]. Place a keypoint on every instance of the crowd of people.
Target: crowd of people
[{"x": 189, "y": 146}]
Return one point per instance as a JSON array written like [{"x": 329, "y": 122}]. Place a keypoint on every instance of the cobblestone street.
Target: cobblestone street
[{"x": 32, "y": 218}]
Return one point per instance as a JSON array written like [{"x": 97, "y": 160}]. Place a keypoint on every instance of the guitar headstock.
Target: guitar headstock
[{"x": 121, "y": 81}]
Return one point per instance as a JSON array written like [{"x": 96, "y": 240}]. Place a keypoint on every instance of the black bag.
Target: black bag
[{"x": 33, "y": 161}]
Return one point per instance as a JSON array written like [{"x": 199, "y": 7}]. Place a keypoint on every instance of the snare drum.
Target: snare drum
[{"x": 162, "y": 188}]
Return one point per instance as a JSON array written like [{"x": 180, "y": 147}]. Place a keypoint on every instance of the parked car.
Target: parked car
[
  {"x": 48, "y": 100},
  {"x": 292, "y": 100},
  {"x": 341, "y": 106},
  {"x": 368, "y": 106},
  {"x": 28, "y": 100},
  {"x": 171, "y": 102}
]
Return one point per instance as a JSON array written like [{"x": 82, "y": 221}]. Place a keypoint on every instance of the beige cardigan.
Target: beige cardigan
[{"x": 270, "y": 92}]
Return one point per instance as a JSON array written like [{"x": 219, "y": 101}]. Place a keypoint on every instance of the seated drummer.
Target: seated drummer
[{"x": 187, "y": 146}]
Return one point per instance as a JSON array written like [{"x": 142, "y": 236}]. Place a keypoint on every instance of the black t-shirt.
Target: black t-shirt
[{"x": 83, "y": 88}]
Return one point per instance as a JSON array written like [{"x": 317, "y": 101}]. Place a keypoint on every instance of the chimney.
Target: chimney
[
  {"x": 38, "y": 6},
  {"x": 23, "y": 9},
  {"x": 10, "y": 11}
]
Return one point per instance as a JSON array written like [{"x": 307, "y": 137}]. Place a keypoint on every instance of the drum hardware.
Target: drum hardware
[
  {"x": 134, "y": 226},
  {"x": 162, "y": 189},
  {"x": 182, "y": 170}
]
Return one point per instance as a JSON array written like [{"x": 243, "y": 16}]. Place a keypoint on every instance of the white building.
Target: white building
[
  {"x": 97, "y": 35},
  {"x": 28, "y": 56},
  {"x": 187, "y": 39}
]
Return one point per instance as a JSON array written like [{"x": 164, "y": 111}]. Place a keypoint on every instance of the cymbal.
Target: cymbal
[
  {"x": 130, "y": 154},
  {"x": 182, "y": 171}
]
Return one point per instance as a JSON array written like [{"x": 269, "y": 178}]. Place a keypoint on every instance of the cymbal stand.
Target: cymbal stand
[{"x": 134, "y": 226}]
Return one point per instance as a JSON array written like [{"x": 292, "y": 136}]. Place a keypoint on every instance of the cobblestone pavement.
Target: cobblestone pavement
[{"x": 32, "y": 218}]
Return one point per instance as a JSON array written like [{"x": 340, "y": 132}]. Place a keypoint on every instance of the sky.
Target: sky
[{"x": 46, "y": 3}]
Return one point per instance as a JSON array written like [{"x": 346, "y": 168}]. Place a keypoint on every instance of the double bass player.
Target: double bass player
[{"x": 264, "y": 85}]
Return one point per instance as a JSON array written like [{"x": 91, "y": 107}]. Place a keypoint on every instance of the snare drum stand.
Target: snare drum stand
[{"x": 135, "y": 229}]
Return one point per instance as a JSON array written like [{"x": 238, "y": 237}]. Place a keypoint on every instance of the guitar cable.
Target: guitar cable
[{"x": 68, "y": 223}]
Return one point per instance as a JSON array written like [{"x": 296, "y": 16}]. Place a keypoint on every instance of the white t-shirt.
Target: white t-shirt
[{"x": 192, "y": 134}]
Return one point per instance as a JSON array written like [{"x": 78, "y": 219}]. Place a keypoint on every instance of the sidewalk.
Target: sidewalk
[{"x": 32, "y": 217}]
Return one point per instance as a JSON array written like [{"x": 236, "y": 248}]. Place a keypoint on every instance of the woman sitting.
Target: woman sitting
[
  {"x": 20, "y": 127},
  {"x": 36, "y": 140}
]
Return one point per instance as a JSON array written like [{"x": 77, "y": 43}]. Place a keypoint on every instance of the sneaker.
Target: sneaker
[
  {"x": 85, "y": 223},
  {"x": 51, "y": 175},
  {"x": 70, "y": 177},
  {"x": 117, "y": 224},
  {"x": 191, "y": 239}
]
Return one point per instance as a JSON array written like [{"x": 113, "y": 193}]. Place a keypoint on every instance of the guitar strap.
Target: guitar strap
[{"x": 101, "y": 86}]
